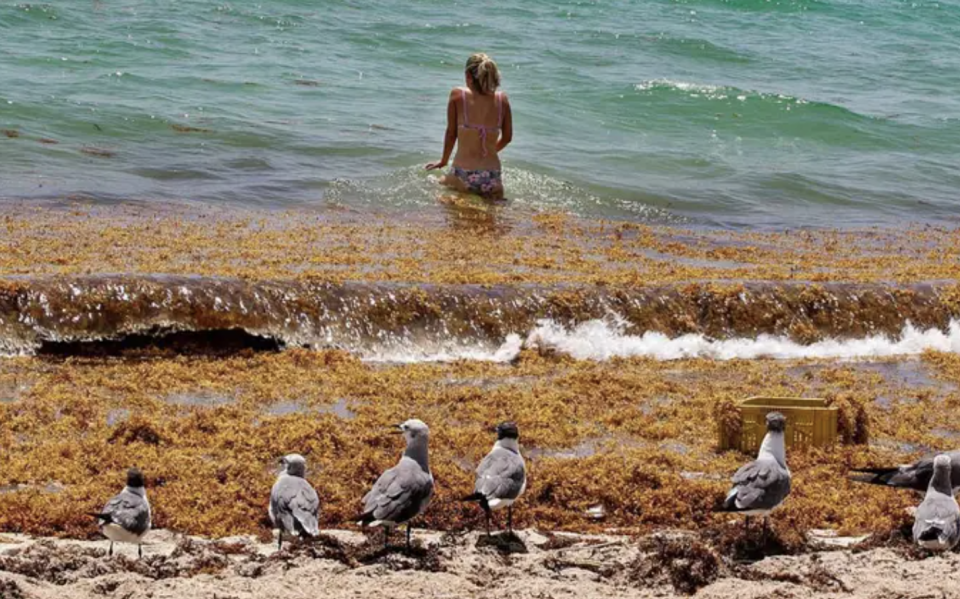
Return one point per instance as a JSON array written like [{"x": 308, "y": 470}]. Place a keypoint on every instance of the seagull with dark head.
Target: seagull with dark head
[
  {"x": 126, "y": 517},
  {"x": 501, "y": 475},
  {"x": 761, "y": 486},
  {"x": 294, "y": 504},
  {"x": 937, "y": 522},
  {"x": 403, "y": 492}
]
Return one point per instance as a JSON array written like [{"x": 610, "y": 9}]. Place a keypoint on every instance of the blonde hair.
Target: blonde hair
[{"x": 485, "y": 74}]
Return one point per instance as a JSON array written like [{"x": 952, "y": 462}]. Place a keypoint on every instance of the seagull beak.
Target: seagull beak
[{"x": 396, "y": 429}]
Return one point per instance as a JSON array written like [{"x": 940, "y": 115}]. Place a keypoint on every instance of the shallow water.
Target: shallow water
[{"x": 721, "y": 112}]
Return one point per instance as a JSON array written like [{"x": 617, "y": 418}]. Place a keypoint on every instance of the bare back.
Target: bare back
[{"x": 479, "y": 127}]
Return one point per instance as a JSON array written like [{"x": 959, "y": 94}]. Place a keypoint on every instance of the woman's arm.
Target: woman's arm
[
  {"x": 450, "y": 136},
  {"x": 506, "y": 131}
]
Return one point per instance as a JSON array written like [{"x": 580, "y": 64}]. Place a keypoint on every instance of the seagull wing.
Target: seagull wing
[
  {"x": 501, "y": 475},
  {"x": 129, "y": 511},
  {"x": 306, "y": 507},
  {"x": 759, "y": 485},
  {"x": 294, "y": 502},
  {"x": 400, "y": 493}
]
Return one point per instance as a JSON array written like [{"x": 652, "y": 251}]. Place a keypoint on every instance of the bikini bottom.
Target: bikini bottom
[{"x": 481, "y": 182}]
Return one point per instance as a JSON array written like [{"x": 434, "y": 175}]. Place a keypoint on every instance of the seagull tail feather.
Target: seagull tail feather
[
  {"x": 729, "y": 503},
  {"x": 306, "y": 524},
  {"x": 932, "y": 533},
  {"x": 479, "y": 498}
]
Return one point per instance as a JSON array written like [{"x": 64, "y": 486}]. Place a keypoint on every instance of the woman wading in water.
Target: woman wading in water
[{"x": 480, "y": 125}]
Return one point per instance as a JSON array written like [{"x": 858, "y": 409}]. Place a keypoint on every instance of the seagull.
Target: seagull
[
  {"x": 763, "y": 484},
  {"x": 126, "y": 517},
  {"x": 502, "y": 475},
  {"x": 403, "y": 492},
  {"x": 910, "y": 476},
  {"x": 294, "y": 504},
  {"x": 937, "y": 523}
]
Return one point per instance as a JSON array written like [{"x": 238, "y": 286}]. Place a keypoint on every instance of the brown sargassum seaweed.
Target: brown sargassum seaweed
[
  {"x": 455, "y": 247},
  {"x": 637, "y": 436}
]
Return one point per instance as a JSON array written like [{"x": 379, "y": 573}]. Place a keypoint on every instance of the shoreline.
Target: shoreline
[
  {"x": 633, "y": 434},
  {"x": 77, "y": 315},
  {"x": 460, "y": 246}
]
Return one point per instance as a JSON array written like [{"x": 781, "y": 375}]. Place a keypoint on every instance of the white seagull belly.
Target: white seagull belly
[
  {"x": 119, "y": 534},
  {"x": 497, "y": 504}
]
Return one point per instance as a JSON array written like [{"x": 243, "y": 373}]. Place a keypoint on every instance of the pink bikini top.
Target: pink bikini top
[{"x": 482, "y": 129}]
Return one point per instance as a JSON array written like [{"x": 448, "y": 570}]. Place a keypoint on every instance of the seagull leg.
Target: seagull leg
[
  {"x": 746, "y": 525},
  {"x": 110, "y": 553},
  {"x": 280, "y": 540},
  {"x": 409, "y": 545},
  {"x": 763, "y": 538},
  {"x": 510, "y": 519},
  {"x": 139, "y": 551}
]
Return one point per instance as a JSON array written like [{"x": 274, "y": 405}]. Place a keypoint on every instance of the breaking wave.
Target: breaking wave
[
  {"x": 601, "y": 340},
  {"x": 393, "y": 322}
]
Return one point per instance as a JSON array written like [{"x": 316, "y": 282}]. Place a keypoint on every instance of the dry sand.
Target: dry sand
[{"x": 535, "y": 565}]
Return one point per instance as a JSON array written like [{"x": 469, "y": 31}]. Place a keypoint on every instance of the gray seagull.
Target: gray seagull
[
  {"x": 403, "y": 492},
  {"x": 126, "y": 517},
  {"x": 910, "y": 476},
  {"x": 763, "y": 484},
  {"x": 501, "y": 476},
  {"x": 937, "y": 523},
  {"x": 294, "y": 504}
]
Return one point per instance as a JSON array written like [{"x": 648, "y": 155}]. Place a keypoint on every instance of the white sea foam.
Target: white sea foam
[
  {"x": 602, "y": 340},
  {"x": 683, "y": 86},
  {"x": 411, "y": 354},
  {"x": 605, "y": 339}
]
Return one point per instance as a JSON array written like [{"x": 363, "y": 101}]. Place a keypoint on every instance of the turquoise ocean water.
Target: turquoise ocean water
[{"x": 734, "y": 113}]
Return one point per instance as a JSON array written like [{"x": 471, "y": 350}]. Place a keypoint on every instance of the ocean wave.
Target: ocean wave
[
  {"x": 605, "y": 339},
  {"x": 422, "y": 322},
  {"x": 761, "y": 5},
  {"x": 759, "y": 116},
  {"x": 715, "y": 92},
  {"x": 698, "y": 49}
]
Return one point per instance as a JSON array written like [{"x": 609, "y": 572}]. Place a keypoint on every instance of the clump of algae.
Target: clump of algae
[
  {"x": 853, "y": 419},
  {"x": 686, "y": 563}
]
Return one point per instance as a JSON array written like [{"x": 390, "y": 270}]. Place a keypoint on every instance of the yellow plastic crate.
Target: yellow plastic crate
[{"x": 810, "y": 423}]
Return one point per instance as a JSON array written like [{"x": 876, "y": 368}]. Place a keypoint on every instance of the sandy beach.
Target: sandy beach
[{"x": 531, "y": 565}]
